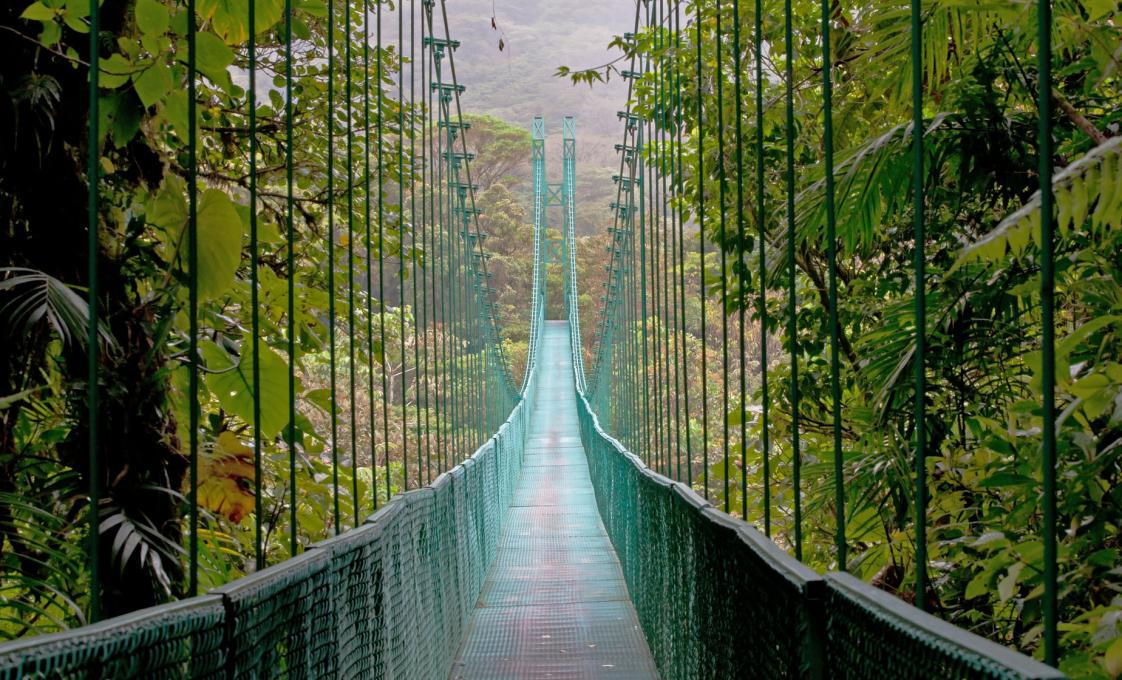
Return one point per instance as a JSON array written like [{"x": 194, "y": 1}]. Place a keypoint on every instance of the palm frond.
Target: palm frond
[
  {"x": 1088, "y": 188},
  {"x": 29, "y": 297}
]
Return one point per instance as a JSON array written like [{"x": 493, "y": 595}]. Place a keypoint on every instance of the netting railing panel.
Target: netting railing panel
[
  {"x": 283, "y": 620},
  {"x": 870, "y": 632},
  {"x": 713, "y": 599},
  {"x": 185, "y": 639},
  {"x": 358, "y": 562},
  {"x": 717, "y": 599},
  {"x": 390, "y": 599}
]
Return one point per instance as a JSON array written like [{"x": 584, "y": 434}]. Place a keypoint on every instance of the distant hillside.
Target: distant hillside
[{"x": 517, "y": 83}]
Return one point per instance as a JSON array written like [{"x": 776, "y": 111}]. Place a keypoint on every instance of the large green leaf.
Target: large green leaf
[
  {"x": 234, "y": 388},
  {"x": 230, "y": 20},
  {"x": 152, "y": 17},
  {"x": 152, "y": 84},
  {"x": 220, "y": 243},
  {"x": 214, "y": 57}
]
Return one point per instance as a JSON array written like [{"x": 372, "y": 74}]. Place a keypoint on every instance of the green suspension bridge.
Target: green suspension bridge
[{"x": 560, "y": 527}]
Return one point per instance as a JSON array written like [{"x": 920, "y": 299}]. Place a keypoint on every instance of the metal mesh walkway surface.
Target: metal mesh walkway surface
[{"x": 554, "y": 604}]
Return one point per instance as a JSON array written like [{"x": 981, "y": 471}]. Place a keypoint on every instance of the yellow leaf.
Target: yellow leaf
[
  {"x": 1112, "y": 660},
  {"x": 226, "y": 478}
]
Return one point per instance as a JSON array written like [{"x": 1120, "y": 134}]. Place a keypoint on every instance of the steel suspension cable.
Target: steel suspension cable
[
  {"x": 293, "y": 539},
  {"x": 382, "y": 250},
  {"x": 401, "y": 235},
  {"x": 1047, "y": 320},
  {"x": 701, "y": 259},
  {"x": 426, "y": 194},
  {"x": 93, "y": 388},
  {"x": 919, "y": 261},
  {"x": 651, "y": 182},
  {"x": 792, "y": 329},
  {"x": 679, "y": 191},
  {"x": 661, "y": 122},
  {"x": 331, "y": 350},
  {"x": 368, "y": 230},
  {"x": 761, "y": 227},
  {"x": 259, "y": 556},
  {"x": 193, "y": 299},
  {"x": 351, "y": 261},
  {"x": 723, "y": 190},
  {"x": 413, "y": 243},
  {"x": 832, "y": 258},
  {"x": 741, "y": 266}
]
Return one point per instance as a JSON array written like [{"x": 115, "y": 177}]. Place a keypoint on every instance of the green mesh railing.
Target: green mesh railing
[
  {"x": 390, "y": 599},
  {"x": 718, "y": 599}
]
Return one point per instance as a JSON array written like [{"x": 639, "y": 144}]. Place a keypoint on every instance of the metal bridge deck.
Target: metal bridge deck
[{"x": 554, "y": 604}]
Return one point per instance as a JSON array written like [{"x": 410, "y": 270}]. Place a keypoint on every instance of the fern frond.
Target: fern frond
[{"x": 1087, "y": 193}]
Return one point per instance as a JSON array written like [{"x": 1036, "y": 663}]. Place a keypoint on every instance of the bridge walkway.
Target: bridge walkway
[{"x": 554, "y": 604}]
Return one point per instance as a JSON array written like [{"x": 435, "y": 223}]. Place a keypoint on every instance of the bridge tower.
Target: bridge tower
[{"x": 568, "y": 200}]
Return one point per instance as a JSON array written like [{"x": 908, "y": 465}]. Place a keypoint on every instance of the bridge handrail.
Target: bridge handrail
[
  {"x": 828, "y": 626},
  {"x": 331, "y": 611}
]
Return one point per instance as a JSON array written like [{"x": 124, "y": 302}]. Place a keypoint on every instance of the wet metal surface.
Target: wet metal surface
[{"x": 554, "y": 605}]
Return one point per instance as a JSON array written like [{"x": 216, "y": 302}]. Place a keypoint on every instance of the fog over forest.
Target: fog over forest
[{"x": 518, "y": 82}]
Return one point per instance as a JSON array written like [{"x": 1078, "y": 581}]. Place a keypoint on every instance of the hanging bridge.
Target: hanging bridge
[{"x": 573, "y": 541}]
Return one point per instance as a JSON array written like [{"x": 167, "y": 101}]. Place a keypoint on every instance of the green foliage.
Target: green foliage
[{"x": 354, "y": 456}]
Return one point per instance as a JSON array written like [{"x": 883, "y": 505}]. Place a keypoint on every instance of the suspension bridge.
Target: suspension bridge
[{"x": 574, "y": 541}]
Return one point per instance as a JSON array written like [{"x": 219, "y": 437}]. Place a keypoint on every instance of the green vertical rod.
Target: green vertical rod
[
  {"x": 426, "y": 215},
  {"x": 291, "y": 238},
  {"x": 722, "y": 179},
  {"x": 445, "y": 313},
  {"x": 832, "y": 256},
  {"x": 741, "y": 265},
  {"x": 666, "y": 164},
  {"x": 670, "y": 413},
  {"x": 651, "y": 182},
  {"x": 401, "y": 234},
  {"x": 644, "y": 330},
  {"x": 678, "y": 125},
  {"x": 792, "y": 329},
  {"x": 1047, "y": 320},
  {"x": 93, "y": 409},
  {"x": 330, "y": 258},
  {"x": 440, "y": 338},
  {"x": 351, "y": 268},
  {"x": 656, "y": 346},
  {"x": 254, "y": 295},
  {"x": 701, "y": 260},
  {"x": 662, "y": 415},
  {"x": 413, "y": 237},
  {"x": 193, "y": 301},
  {"x": 381, "y": 254},
  {"x": 920, "y": 308},
  {"x": 369, "y": 250},
  {"x": 761, "y": 230}
]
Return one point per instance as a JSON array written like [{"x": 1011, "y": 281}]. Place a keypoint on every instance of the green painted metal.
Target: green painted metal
[
  {"x": 254, "y": 274},
  {"x": 192, "y": 310},
  {"x": 761, "y": 234},
  {"x": 920, "y": 284},
  {"x": 93, "y": 250},
  {"x": 1045, "y": 145}
]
